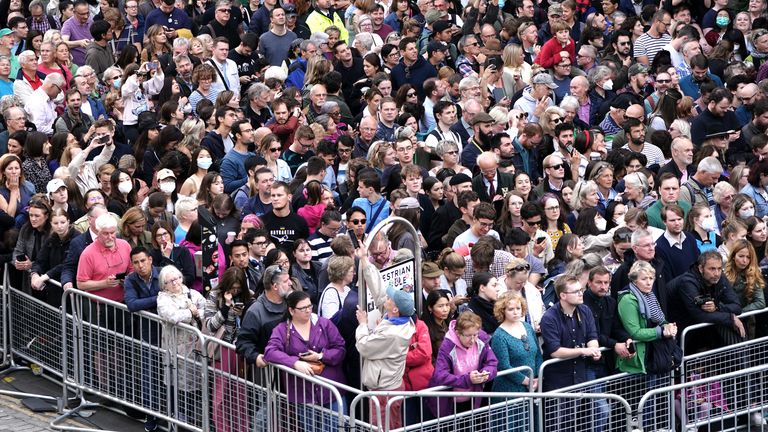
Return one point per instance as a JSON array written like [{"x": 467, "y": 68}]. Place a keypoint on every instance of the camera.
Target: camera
[{"x": 700, "y": 300}]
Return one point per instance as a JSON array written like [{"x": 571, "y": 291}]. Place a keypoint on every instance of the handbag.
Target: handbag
[
  {"x": 317, "y": 365},
  {"x": 662, "y": 356}
]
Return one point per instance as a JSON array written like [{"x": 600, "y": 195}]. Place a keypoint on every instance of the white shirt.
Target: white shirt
[
  {"x": 469, "y": 238},
  {"x": 41, "y": 111},
  {"x": 229, "y": 70},
  {"x": 675, "y": 242},
  {"x": 460, "y": 285}
]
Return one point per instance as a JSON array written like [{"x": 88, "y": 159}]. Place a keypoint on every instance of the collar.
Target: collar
[{"x": 674, "y": 241}]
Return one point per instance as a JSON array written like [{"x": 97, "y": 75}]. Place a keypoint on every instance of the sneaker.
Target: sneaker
[{"x": 756, "y": 419}]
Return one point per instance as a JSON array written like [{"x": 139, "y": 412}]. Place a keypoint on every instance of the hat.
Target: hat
[
  {"x": 621, "y": 101},
  {"x": 403, "y": 301},
  {"x": 402, "y": 255},
  {"x": 440, "y": 26},
  {"x": 296, "y": 43},
  {"x": 409, "y": 204},
  {"x": 5, "y": 32},
  {"x": 436, "y": 46},
  {"x": 164, "y": 174},
  {"x": 432, "y": 16},
  {"x": 430, "y": 270},
  {"x": 546, "y": 79},
  {"x": 555, "y": 9},
  {"x": 459, "y": 178},
  {"x": 289, "y": 9},
  {"x": 638, "y": 68},
  {"x": 482, "y": 117},
  {"x": 147, "y": 120},
  {"x": 55, "y": 185}
]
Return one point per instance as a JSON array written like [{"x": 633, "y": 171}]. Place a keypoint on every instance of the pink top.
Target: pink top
[
  {"x": 58, "y": 69},
  {"x": 97, "y": 263}
]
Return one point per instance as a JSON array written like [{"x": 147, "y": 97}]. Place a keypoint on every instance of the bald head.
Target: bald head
[
  {"x": 636, "y": 111},
  {"x": 579, "y": 87},
  {"x": 748, "y": 94},
  {"x": 488, "y": 163}
]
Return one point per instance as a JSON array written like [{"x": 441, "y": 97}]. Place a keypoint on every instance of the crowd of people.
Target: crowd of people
[{"x": 580, "y": 175}]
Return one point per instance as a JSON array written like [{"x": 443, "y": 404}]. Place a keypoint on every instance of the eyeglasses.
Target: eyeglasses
[
  {"x": 556, "y": 167},
  {"x": 161, "y": 235},
  {"x": 472, "y": 44},
  {"x": 553, "y": 208},
  {"x": 275, "y": 149},
  {"x": 486, "y": 224},
  {"x": 411, "y": 94},
  {"x": 173, "y": 281},
  {"x": 567, "y": 65},
  {"x": 519, "y": 268},
  {"x": 624, "y": 43},
  {"x": 358, "y": 221},
  {"x": 624, "y": 237},
  {"x": 223, "y": 10},
  {"x": 304, "y": 308},
  {"x": 557, "y": 120},
  {"x": 284, "y": 262},
  {"x": 663, "y": 81}
]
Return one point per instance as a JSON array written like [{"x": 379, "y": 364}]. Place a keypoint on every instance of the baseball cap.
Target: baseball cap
[
  {"x": 436, "y": 46},
  {"x": 555, "y": 9},
  {"x": 290, "y": 9},
  {"x": 296, "y": 43},
  {"x": 716, "y": 129},
  {"x": 546, "y": 79},
  {"x": 403, "y": 301},
  {"x": 460, "y": 178},
  {"x": 637, "y": 68},
  {"x": 5, "y": 32},
  {"x": 440, "y": 25},
  {"x": 482, "y": 117},
  {"x": 164, "y": 174},
  {"x": 432, "y": 16},
  {"x": 409, "y": 204},
  {"x": 430, "y": 270},
  {"x": 55, "y": 185}
]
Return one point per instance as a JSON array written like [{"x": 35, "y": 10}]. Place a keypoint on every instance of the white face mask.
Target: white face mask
[
  {"x": 125, "y": 187},
  {"x": 601, "y": 224},
  {"x": 167, "y": 187},
  {"x": 608, "y": 85},
  {"x": 744, "y": 214},
  {"x": 708, "y": 224},
  {"x": 204, "y": 163}
]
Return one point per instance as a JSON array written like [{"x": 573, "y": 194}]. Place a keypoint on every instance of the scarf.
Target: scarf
[{"x": 648, "y": 305}]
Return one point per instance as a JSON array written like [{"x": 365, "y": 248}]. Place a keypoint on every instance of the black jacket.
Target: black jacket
[
  {"x": 690, "y": 285},
  {"x": 620, "y": 280},
  {"x": 609, "y": 328}
]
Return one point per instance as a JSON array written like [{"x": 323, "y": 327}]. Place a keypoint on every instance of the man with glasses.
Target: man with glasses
[
  {"x": 651, "y": 42},
  {"x": 643, "y": 249},
  {"x": 133, "y": 32},
  {"x": 483, "y": 216},
  {"x": 569, "y": 332},
  {"x": 554, "y": 173},
  {"x": 749, "y": 94},
  {"x": 320, "y": 240},
  {"x": 40, "y": 107},
  {"x": 77, "y": 32},
  {"x": 263, "y": 315},
  {"x": 587, "y": 58},
  {"x": 261, "y": 202},
  {"x": 367, "y": 128},
  {"x": 301, "y": 149},
  {"x": 258, "y": 242},
  {"x": 561, "y": 75},
  {"x": 38, "y": 19},
  {"x": 15, "y": 120},
  {"x": 662, "y": 83},
  {"x": 468, "y": 63}
]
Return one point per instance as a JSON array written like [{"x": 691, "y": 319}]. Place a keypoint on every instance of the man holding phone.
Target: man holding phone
[{"x": 103, "y": 261}]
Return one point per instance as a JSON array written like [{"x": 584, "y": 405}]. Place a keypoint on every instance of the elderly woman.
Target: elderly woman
[
  {"x": 641, "y": 315},
  {"x": 180, "y": 305},
  {"x": 341, "y": 272},
  {"x": 723, "y": 194},
  {"x": 516, "y": 281},
  {"x": 312, "y": 346},
  {"x": 680, "y": 128},
  {"x": 448, "y": 151},
  {"x": 585, "y": 196},
  {"x": 465, "y": 362},
  {"x": 636, "y": 191}
]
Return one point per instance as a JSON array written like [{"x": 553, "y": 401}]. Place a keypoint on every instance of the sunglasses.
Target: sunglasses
[
  {"x": 556, "y": 167},
  {"x": 275, "y": 149},
  {"x": 519, "y": 268},
  {"x": 410, "y": 94},
  {"x": 358, "y": 221},
  {"x": 557, "y": 120},
  {"x": 664, "y": 81},
  {"x": 534, "y": 223}
]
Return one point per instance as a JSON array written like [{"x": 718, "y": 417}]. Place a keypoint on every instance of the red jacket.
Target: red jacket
[
  {"x": 418, "y": 363},
  {"x": 550, "y": 53}
]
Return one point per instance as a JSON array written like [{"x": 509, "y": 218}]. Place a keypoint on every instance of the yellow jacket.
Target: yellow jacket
[{"x": 318, "y": 22}]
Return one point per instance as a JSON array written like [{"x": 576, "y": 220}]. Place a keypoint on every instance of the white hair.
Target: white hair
[
  {"x": 55, "y": 78},
  {"x": 499, "y": 114},
  {"x": 166, "y": 273},
  {"x": 275, "y": 72},
  {"x": 105, "y": 221},
  {"x": 683, "y": 126},
  {"x": 184, "y": 205},
  {"x": 27, "y": 55},
  {"x": 710, "y": 164},
  {"x": 570, "y": 102}
]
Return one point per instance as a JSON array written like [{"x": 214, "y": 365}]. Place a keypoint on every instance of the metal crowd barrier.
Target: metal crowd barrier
[
  {"x": 601, "y": 413},
  {"x": 730, "y": 401},
  {"x": 745, "y": 318}
]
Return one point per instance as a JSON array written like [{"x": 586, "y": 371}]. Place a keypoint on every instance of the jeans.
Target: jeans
[
  {"x": 601, "y": 410},
  {"x": 314, "y": 419}
]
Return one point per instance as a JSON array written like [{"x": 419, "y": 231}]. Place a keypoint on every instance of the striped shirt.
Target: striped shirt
[
  {"x": 646, "y": 45},
  {"x": 321, "y": 246}
]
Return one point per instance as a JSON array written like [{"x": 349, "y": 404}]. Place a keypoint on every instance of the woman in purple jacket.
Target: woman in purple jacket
[
  {"x": 465, "y": 362},
  {"x": 312, "y": 346}
]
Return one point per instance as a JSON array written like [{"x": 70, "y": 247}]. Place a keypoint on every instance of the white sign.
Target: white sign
[{"x": 398, "y": 276}]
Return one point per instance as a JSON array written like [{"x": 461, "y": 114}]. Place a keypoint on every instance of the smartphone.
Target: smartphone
[
  {"x": 631, "y": 348},
  {"x": 151, "y": 65},
  {"x": 21, "y": 257},
  {"x": 540, "y": 239},
  {"x": 121, "y": 276},
  {"x": 103, "y": 139},
  {"x": 239, "y": 305},
  {"x": 304, "y": 354},
  {"x": 569, "y": 148}
]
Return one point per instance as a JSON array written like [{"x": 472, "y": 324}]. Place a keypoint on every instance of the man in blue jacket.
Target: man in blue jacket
[{"x": 413, "y": 69}]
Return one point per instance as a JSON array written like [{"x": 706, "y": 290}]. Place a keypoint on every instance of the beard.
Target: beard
[{"x": 485, "y": 139}]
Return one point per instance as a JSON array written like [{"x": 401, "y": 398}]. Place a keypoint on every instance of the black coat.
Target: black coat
[
  {"x": 76, "y": 248},
  {"x": 620, "y": 280}
]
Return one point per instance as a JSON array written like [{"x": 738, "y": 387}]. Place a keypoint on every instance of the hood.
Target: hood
[
  {"x": 527, "y": 94},
  {"x": 452, "y": 336}
]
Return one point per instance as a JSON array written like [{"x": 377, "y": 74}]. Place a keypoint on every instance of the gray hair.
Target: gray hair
[
  {"x": 328, "y": 107},
  {"x": 7, "y": 113},
  {"x": 167, "y": 273},
  {"x": 83, "y": 70},
  {"x": 184, "y": 205},
  {"x": 683, "y": 126},
  {"x": 598, "y": 73},
  {"x": 710, "y": 164},
  {"x": 304, "y": 45},
  {"x": 642, "y": 267},
  {"x": 105, "y": 221},
  {"x": 468, "y": 82},
  {"x": 257, "y": 90},
  {"x": 637, "y": 179},
  {"x": 444, "y": 146},
  {"x": 181, "y": 42},
  {"x": 570, "y": 102},
  {"x": 56, "y": 79},
  {"x": 582, "y": 189},
  {"x": 36, "y": 3},
  {"x": 112, "y": 70},
  {"x": 366, "y": 39},
  {"x": 639, "y": 235},
  {"x": 27, "y": 56},
  {"x": 720, "y": 189}
]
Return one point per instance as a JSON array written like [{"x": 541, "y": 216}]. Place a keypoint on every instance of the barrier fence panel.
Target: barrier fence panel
[
  {"x": 755, "y": 323},
  {"x": 730, "y": 401},
  {"x": 187, "y": 375},
  {"x": 743, "y": 396},
  {"x": 238, "y": 394},
  {"x": 4, "y": 333},
  {"x": 601, "y": 413},
  {"x": 304, "y": 403}
]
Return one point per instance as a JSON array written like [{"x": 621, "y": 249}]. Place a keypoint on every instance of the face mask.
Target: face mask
[
  {"x": 722, "y": 21},
  {"x": 744, "y": 214},
  {"x": 608, "y": 85},
  {"x": 708, "y": 224},
  {"x": 167, "y": 187},
  {"x": 59, "y": 99},
  {"x": 204, "y": 163},
  {"x": 619, "y": 222},
  {"x": 116, "y": 83},
  {"x": 601, "y": 224},
  {"x": 501, "y": 4},
  {"x": 125, "y": 187}
]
